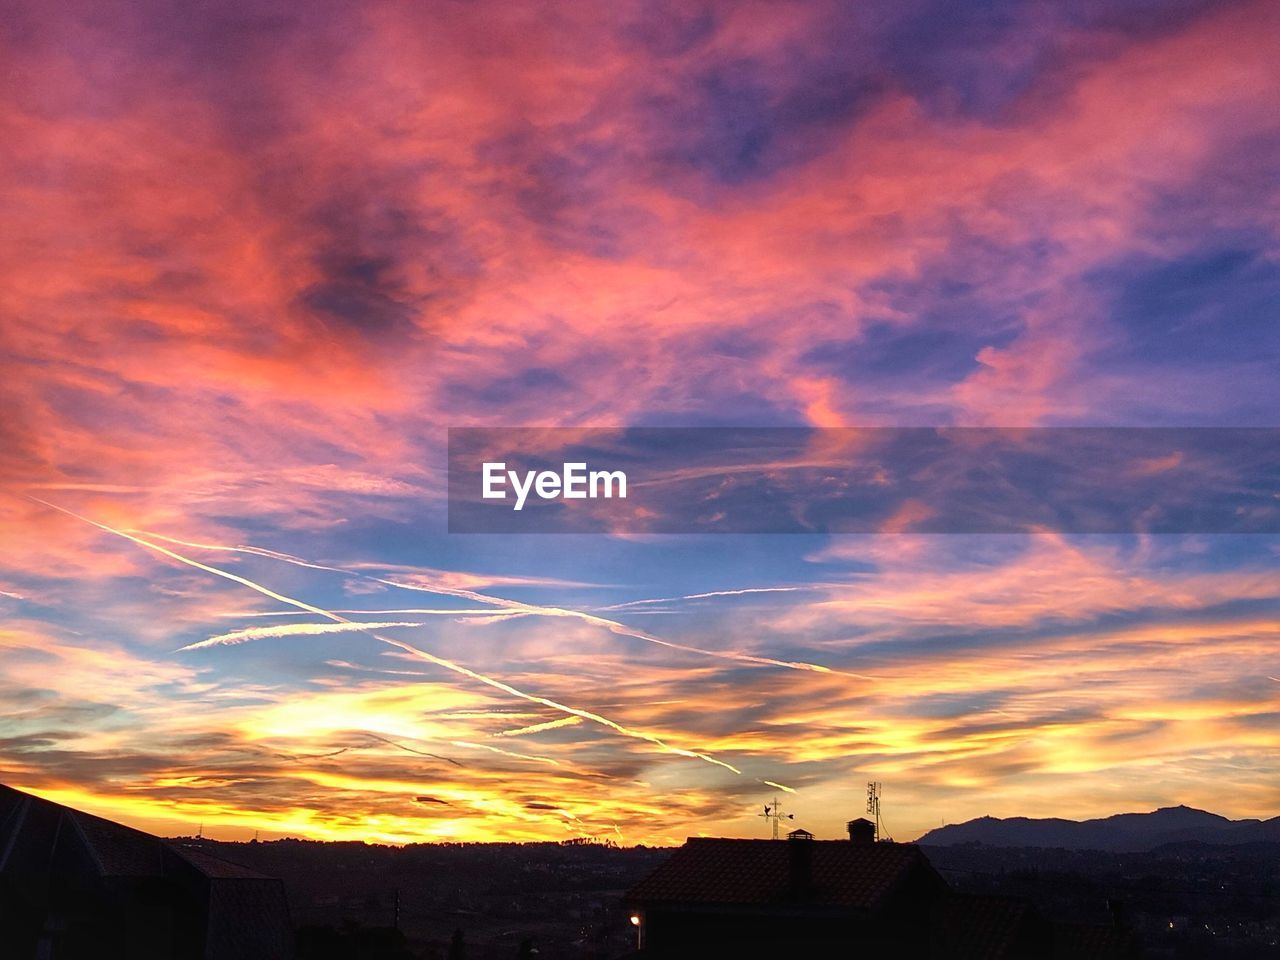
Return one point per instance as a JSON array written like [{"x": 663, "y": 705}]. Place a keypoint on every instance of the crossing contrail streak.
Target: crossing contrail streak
[
  {"x": 494, "y": 618},
  {"x": 514, "y": 608},
  {"x": 469, "y": 745},
  {"x": 534, "y": 758},
  {"x": 299, "y": 757},
  {"x": 614, "y": 627},
  {"x": 539, "y": 727},
  {"x": 401, "y": 645},
  {"x": 400, "y": 746},
  {"x": 418, "y": 611},
  {"x": 704, "y": 596},
  {"x": 573, "y": 711},
  {"x": 255, "y": 551}
]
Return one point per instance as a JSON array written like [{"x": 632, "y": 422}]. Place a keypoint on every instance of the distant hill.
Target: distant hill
[{"x": 1124, "y": 832}]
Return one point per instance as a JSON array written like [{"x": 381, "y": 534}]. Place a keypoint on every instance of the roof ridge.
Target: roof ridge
[
  {"x": 182, "y": 850},
  {"x": 18, "y": 815},
  {"x": 88, "y": 844}
]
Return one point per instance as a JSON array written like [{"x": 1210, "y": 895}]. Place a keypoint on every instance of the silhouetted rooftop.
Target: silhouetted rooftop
[
  {"x": 73, "y": 884},
  {"x": 718, "y": 870},
  {"x": 979, "y": 927}
]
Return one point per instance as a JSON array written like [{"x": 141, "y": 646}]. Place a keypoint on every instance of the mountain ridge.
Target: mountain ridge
[{"x": 1118, "y": 833}]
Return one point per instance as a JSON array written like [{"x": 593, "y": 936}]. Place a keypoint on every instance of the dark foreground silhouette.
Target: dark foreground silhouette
[{"x": 80, "y": 885}]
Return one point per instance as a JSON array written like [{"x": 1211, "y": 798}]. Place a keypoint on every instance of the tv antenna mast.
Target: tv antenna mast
[
  {"x": 873, "y": 808},
  {"x": 773, "y": 813}
]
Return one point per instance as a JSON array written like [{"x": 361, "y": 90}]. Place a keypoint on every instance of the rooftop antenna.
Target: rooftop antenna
[
  {"x": 873, "y": 808},
  {"x": 773, "y": 813}
]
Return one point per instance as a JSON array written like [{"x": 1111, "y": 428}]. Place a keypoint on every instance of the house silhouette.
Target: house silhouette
[
  {"x": 74, "y": 886},
  {"x": 826, "y": 898}
]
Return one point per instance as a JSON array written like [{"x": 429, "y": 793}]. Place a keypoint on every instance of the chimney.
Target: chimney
[
  {"x": 861, "y": 830},
  {"x": 800, "y": 862}
]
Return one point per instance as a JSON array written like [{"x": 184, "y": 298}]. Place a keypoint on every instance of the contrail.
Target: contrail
[
  {"x": 312, "y": 756},
  {"x": 539, "y": 727},
  {"x": 347, "y": 665},
  {"x": 506, "y": 753},
  {"x": 422, "y": 753},
  {"x": 494, "y": 618},
  {"x": 573, "y": 711},
  {"x": 703, "y": 596},
  {"x": 401, "y": 645},
  {"x": 256, "y": 551},
  {"x": 780, "y": 786},
  {"x": 613, "y": 626},
  {"x": 418, "y": 611},
  {"x": 518, "y": 608},
  {"x": 291, "y": 630},
  {"x": 374, "y": 736}
]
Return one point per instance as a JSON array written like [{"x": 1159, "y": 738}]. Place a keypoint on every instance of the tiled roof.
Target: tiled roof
[
  {"x": 32, "y": 825},
  {"x": 977, "y": 927},
  {"x": 725, "y": 871},
  {"x": 230, "y": 910},
  {"x": 211, "y": 866},
  {"x": 248, "y": 918},
  {"x": 118, "y": 851}
]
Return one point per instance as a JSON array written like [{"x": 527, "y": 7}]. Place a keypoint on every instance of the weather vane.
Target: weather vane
[{"x": 773, "y": 813}]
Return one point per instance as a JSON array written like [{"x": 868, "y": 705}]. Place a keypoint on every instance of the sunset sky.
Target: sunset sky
[{"x": 256, "y": 258}]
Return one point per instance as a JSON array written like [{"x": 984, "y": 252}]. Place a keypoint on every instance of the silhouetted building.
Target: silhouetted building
[
  {"x": 861, "y": 830},
  {"x": 827, "y": 898},
  {"x": 765, "y": 896},
  {"x": 74, "y": 886}
]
